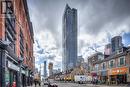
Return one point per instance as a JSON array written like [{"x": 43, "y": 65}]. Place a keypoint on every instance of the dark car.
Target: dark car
[
  {"x": 46, "y": 83},
  {"x": 52, "y": 85}
]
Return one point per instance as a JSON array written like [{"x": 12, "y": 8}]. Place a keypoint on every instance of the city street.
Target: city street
[
  {"x": 62, "y": 84},
  {"x": 64, "y": 43}
]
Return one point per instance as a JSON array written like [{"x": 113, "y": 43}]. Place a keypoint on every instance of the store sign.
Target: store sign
[
  {"x": 12, "y": 66},
  {"x": 115, "y": 71}
]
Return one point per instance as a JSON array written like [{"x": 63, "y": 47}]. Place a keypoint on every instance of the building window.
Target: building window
[
  {"x": 111, "y": 64},
  {"x": 27, "y": 49},
  {"x": 7, "y": 7},
  {"x": 100, "y": 57},
  {"x": 21, "y": 44},
  {"x": 121, "y": 61},
  {"x": 21, "y": 55},
  {"x": 96, "y": 67},
  {"x": 103, "y": 66},
  {"x": 9, "y": 23},
  {"x": 10, "y": 35}
]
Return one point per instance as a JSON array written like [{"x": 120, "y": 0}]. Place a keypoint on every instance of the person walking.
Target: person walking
[
  {"x": 39, "y": 83},
  {"x": 108, "y": 81},
  {"x": 35, "y": 82},
  {"x": 14, "y": 84}
]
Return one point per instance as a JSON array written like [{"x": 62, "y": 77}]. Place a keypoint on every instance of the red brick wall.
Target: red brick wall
[
  {"x": 21, "y": 23},
  {"x": 128, "y": 59},
  {"x": 2, "y": 29}
]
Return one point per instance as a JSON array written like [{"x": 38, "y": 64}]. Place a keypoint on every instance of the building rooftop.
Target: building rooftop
[{"x": 114, "y": 55}]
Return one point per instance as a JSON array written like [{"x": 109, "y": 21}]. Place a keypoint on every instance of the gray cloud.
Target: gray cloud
[
  {"x": 93, "y": 14},
  {"x": 95, "y": 17},
  {"x": 100, "y": 12},
  {"x": 51, "y": 57}
]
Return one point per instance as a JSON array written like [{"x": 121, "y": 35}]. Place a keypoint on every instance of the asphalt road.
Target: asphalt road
[
  {"x": 72, "y": 85},
  {"x": 62, "y": 84}
]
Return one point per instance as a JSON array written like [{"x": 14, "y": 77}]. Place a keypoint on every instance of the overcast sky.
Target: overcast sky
[{"x": 98, "y": 22}]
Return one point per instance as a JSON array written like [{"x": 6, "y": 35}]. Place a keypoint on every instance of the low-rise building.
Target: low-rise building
[
  {"x": 50, "y": 67},
  {"x": 92, "y": 59},
  {"x": 115, "y": 68}
]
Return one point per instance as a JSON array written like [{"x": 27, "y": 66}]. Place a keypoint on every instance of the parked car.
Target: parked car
[
  {"x": 80, "y": 79},
  {"x": 52, "y": 85}
]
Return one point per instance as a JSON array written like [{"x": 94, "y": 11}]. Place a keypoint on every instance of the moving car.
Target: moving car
[{"x": 52, "y": 85}]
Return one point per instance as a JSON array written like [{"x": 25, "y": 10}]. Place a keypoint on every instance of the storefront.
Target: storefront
[
  {"x": 118, "y": 75},
  {"x": 104, "y": 76},
  {"x": 8, "y": 67},
  {"x": 29, "y": 75},
  {"x": 11, "y": 74},
  {"x": 23, "y": 78}
]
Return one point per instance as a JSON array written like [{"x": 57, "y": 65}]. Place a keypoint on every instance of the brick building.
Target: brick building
[
  {"x": 92, "y": 59},
  {"x": 116, "y": 67},
  {"x": 16, "y": 43}
]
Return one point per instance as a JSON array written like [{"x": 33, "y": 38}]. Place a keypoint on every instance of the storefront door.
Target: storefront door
[
  {"x": 12, "y": 77},
  {"x": 122, "y": 78}
]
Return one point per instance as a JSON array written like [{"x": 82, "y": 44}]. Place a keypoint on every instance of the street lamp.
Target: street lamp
[{"x": 20, "y": 71}]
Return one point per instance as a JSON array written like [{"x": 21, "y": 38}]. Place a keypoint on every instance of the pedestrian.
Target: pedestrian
[
  {"x": 39, "y": 83},
  {"x": 49, "y": 84},
  {"x": 30, "y": 82},
  {"x": 118, "y": 81},
  {"x": 35, "y": 82},
  {"x": 14, "y": 84},
  {"x": 108, "y": 80},
  {"x": 96, "y": 81}
]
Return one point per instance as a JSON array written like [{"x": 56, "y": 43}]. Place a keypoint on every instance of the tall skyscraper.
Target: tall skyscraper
[
  {"x": 116, "y": 43},
  {"x": 69, "y": 38},
  {"x": 108, "y": 49},
  {"x": 80, "y": 60},
  {"x": 50, "y": 67},
  {"x": 45, "y": 70}
]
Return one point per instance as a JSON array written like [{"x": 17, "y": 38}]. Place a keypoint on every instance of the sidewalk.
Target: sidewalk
[
  {"x": 34, "y": 86},
  {"x": 37, "y": 85},
  {"x": 92, "y": 85}
]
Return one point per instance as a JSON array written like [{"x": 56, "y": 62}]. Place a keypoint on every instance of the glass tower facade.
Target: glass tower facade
[
  {"x": 116, "y": 43},
  {"x": 69, "y": 38}
]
